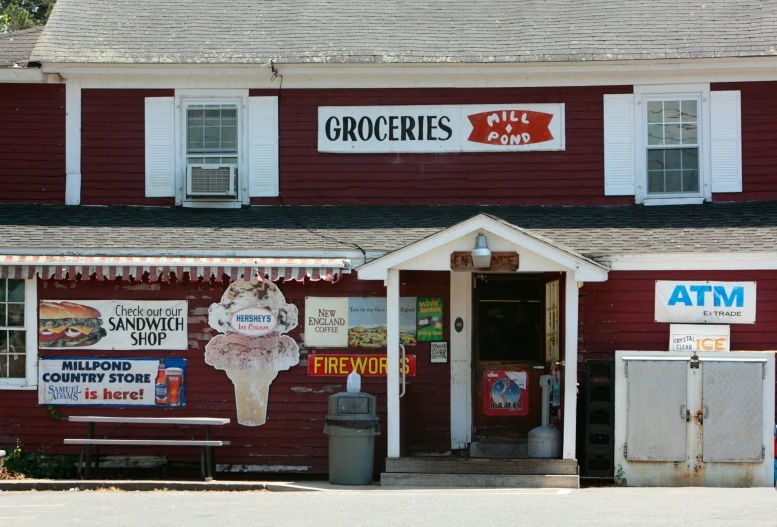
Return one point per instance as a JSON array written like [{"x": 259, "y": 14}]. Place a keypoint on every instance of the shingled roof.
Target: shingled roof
[
  {"x": 595, "y": 232},
  {"x": 404, "y": 31},
  {"x": 16, "y": 47}
]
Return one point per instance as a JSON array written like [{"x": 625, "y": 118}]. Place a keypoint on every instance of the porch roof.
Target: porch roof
[{"x": 595, "y": 233}]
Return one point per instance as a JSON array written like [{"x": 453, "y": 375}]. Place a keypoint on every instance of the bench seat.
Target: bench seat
[{"x": 146, "y": 442}]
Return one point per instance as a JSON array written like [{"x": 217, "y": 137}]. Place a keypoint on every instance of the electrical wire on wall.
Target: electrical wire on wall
[{"x": 276, "y": 74}]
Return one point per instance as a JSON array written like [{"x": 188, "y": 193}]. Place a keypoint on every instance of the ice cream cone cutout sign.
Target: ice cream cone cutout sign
[{"x": 252, "y": 317}]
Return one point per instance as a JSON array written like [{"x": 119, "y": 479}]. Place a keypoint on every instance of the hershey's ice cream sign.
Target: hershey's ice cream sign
[
  {"x": 252, "y": 348},
  {"x": 441, "y": 129}
]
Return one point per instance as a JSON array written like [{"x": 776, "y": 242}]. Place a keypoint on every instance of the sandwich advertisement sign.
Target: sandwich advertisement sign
[{"x": 113, "y": 324}]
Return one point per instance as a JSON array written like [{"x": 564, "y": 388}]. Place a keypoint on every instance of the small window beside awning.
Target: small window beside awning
[{"x": 112, "y": 267}]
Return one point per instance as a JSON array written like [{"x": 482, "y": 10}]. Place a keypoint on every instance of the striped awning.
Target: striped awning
[{"x": 160, "y": 268}]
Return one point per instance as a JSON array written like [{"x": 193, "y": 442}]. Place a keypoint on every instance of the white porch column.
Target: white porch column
[
  {"x": 461, "y": 360},
  {"x": 392, "y": 374},
  {"x": 570, "y": 368}
]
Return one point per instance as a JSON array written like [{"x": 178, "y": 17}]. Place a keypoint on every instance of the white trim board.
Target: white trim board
[
  {"x": 591, "y": 73},
  {"x": 73, "y": 142},
  {"x": 691, "y": 261}
]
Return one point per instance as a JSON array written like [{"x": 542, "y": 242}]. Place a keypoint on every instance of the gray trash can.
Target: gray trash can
[{"x": 352, "y": 425}]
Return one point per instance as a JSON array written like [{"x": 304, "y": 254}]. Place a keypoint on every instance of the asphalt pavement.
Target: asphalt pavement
[{"x": 384, "y": 507}]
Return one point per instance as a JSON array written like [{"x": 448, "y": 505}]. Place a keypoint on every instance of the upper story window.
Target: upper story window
[
  {"x": 672, "y": 144},
  {"x": 212, "y": 153},
  {"x": 18, "y": 345},
  {"x": 213, "y": 148},
  {"x": 673, "y": 147}
]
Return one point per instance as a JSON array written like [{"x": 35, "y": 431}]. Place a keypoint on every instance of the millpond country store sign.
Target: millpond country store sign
[{"x": 440, "y": 129}]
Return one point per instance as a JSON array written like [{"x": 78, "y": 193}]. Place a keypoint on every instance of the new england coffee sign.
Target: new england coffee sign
[
  {"x": 440, "y": 129},
  {"x": 705, "y": 302}
]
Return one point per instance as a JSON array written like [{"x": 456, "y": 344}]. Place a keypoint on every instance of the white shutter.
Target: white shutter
[
  {"x": 726, "y": 141},
  {"x": 619, "y": 145},
  {"x": 263, "y": 146},
  {"x": 160, "y": 150}
]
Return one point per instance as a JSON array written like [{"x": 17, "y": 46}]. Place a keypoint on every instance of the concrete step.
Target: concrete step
[
  {"x": 463, "y": 465},
  {"x": 498, "y": 450},
  {"x": 398, "y": 479}
]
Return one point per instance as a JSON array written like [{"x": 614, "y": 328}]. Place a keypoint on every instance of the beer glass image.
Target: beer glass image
[
  {"x": 174, "y": 382},
  {"x": 252, "y": 362}
]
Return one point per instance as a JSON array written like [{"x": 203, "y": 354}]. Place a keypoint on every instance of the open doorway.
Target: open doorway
[{"x": 510, "y": 355}]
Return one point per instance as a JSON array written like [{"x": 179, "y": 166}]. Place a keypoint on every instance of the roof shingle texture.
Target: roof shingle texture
[
  {"x": 404, "y": 31},
  {"x": 595, "y": 232},
  {"x": 16, "y": 47}
]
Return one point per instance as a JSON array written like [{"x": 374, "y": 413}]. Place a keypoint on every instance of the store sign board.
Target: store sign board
[
  {"x": 430, "y": 323},
  {"x": 502, "y": 261},
  {"x": 441, "y": 129},
  {"x": 356, "y": 322},
  {"x": 705, "y": 302},
  {"x": 505, "y": 392},
  {"x": 113, "y": 324},
  {"x": 708, "y": 337},
  {"x": 111, "y": 381},
  {"x": 340, "y": 365}
]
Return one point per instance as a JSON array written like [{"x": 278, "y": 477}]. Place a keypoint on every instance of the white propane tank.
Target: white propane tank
[
  {"x": 545, "y": 440},
  {"x": 354, "y": 383}
]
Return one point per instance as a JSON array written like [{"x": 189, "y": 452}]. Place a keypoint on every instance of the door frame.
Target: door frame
[{"x": 461, "y": 361}]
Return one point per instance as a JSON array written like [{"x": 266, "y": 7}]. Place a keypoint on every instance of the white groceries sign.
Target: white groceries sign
[
  {"x": 705, "y": 302},
  {"x": 438, "y": 129},
  {"x": 113, "y": 324}
]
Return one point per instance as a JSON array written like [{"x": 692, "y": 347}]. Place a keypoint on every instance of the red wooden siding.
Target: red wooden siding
[
  {"x": 619, "y": 314},
  {"x": 32, "y": 143},
  {"x": 293, "y": 435},
  {"x": 572, "y": 177},
  {"x": 759, "y": 134},
  {"x": 113, "y": 161}
]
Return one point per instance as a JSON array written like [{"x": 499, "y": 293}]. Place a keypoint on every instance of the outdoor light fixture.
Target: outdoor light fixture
[{"x": 481, "y": 255}]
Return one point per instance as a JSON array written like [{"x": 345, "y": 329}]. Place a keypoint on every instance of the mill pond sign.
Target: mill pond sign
[{"x": 440, "y": 129}]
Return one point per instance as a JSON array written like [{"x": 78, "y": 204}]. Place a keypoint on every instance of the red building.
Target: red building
[{"x": 350, "y": 156}]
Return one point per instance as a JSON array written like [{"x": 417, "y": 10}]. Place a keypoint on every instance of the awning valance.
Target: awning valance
[{"x": 158, "y": 268}]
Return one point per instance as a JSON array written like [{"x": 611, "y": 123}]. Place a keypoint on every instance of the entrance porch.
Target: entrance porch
[{"x": 510, "y": 330}]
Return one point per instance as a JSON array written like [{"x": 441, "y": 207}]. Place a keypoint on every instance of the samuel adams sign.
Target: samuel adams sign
[{"x": 384, "y": 129}]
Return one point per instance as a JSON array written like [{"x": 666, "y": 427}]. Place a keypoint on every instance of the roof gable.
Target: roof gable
[{"x": 585, "y": 268}]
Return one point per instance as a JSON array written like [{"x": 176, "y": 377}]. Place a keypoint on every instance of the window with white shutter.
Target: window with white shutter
[
  {"x": 212, "y": 148},
  {"x": 675, "y": 144}
]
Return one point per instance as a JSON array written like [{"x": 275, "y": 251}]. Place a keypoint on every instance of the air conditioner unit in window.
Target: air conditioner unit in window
[{"x": 211, "y": 181}]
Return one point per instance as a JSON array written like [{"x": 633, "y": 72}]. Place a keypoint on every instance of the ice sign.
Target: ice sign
[{"x": 253, "y": 321}]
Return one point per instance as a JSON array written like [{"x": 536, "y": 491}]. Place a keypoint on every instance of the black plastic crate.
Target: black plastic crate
[
  {"x": 604, "y": 393},
  {"x": 598, "y": 466},
  {"x": 600, "y": 372},
  {"x": 600, "y": 415}
]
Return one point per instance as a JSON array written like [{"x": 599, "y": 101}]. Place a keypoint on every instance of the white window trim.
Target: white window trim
[
  {"x": 644, "y": 93},
  {"x": 186, "y": 97},
  {"x": 31, "y": 341}
]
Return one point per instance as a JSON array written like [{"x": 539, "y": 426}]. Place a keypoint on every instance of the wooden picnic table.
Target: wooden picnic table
[{"x": 206, "y": 445}]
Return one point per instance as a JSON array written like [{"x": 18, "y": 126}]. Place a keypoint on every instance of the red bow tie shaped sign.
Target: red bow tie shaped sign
[{"x": 510, "y": 127}]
